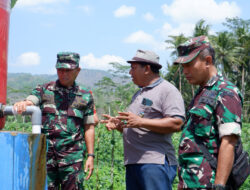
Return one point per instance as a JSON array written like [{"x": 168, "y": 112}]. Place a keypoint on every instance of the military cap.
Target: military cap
[
  {"x": 191, "y": 49},
  {"x": 146, "y": 57},
  {"x": 67, "y": 60}
]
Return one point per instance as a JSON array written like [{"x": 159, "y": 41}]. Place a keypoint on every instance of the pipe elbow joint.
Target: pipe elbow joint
[
  {"x": 34, "y": 111},
  {"x": 36, "y": 114}
]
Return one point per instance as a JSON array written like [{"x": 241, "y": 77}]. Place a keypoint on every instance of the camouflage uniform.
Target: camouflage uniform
[
  {"x": 214, "y": 112},
  {"x": 64, "y": 113},
  {"x": 217, "y": 103}
]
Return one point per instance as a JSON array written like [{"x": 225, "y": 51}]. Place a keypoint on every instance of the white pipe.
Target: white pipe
[{"x": 34, "y": 111}]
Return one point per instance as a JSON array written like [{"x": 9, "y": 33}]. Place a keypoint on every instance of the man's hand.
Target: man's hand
[
  {"x": 20, "y": 107},
  {"x": 131, "y": 120},
  {"x": 111, "y": 122},
  {"x": 164, "y": 125},
  {"x": 89, "y": 166}
]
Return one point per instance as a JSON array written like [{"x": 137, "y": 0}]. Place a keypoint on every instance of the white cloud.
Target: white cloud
[
  {"x": 91, "y": 62},
  {"x": 148, "y": 17},
  {"x": 183, "y": 28},
  {"x": 124, "y": 11},
  {"x": 29, "y": 3},
  {"x": 194, "y": 10},
  {"x": 28, "y": 59},
  {"x": 141, "y": 37}
]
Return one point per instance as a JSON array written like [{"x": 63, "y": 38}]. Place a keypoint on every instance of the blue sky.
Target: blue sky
[{"x": 104, "y": 31}]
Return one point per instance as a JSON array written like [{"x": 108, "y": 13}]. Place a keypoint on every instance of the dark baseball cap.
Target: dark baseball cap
[
  {"x": 67, "y": 60},
  {"x": 191, "y": 49},
  {"x": 146, "y": 57}
]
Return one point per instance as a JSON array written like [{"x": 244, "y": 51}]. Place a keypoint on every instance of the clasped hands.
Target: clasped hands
[{"x": 123, "y": 120}]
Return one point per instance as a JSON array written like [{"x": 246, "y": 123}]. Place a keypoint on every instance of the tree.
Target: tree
[
  {"x": 174, "y": 42},
  {"x": 13, "y": 2},
  {"x": 240, "y": 31},
  {"x": 201, "y": 29},
  {"x": 224, "y": 47},
  {"x": 115, "y": 94}
]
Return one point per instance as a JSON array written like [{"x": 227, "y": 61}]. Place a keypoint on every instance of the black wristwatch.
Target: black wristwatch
[
  {"x": 219, "y": 187},
  {"x": 93, "y": 155}
]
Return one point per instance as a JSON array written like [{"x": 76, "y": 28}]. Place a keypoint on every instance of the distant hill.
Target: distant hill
[
  {"x": 88, "y": 77},
  {"x": 20, "y": 84}
]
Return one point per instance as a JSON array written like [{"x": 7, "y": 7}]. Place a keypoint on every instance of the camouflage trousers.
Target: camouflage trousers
[{"x": 68, "y": 177}]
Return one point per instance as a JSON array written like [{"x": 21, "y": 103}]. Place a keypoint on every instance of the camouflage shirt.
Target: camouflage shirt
[
  {"x": 64, "y": 113},
  {"x": 214, "y": 112}
]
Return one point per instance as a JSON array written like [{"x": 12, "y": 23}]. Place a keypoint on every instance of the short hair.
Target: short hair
[
  {"x": 209, "y": 51},
  {"x": 153, "y": 68}
]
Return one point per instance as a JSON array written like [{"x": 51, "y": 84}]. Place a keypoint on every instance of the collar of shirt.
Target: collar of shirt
[
  {"x": 153, "y": 84},
  {"x": 210, "y": 82},
  {"x": 58, "y": 87}
]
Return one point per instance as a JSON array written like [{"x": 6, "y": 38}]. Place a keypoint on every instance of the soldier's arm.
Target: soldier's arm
[
  {"x": 90, "y": 142},
  {"x": 225, "y": 159},
  {"x": 20, "y": 107},
  {"x": 32, "y": 100},
  {"x": 229, "y": 132}
]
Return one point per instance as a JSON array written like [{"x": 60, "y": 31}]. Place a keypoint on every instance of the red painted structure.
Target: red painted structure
[{"x": 4, "y": 34}]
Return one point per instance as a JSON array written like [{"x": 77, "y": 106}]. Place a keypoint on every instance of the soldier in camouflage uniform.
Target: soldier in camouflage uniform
[
  {"x": 214, "y": 116},
  {"x": 68, "y": 122}
]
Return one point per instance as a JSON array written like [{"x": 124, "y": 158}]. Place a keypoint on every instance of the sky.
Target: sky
[{"x": 104, "y": 31}]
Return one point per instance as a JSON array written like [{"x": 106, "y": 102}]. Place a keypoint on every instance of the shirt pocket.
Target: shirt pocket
[
  {"x": 79, "y": 103},
  {"x": 145, "y": 111},
  {"x": 75, "y": 120},
  {"x": 202, "y": 122}
]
